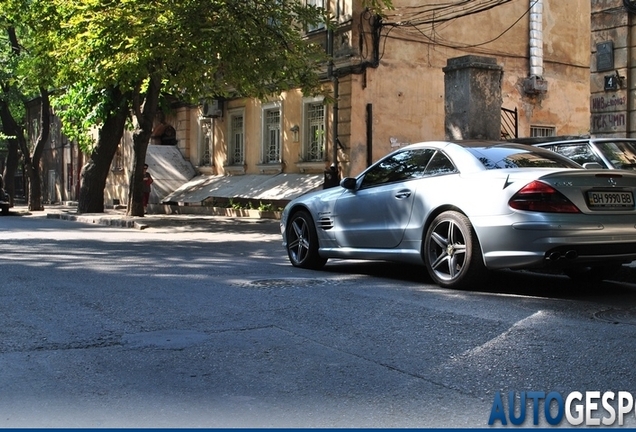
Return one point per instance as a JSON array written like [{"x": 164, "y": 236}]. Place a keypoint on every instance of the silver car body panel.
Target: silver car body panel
[{"x": 389, "y": 222}]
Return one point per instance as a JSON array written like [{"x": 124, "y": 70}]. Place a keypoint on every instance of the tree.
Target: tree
[
  {"x": 18, "y": 139},
  {"x": 17, "y": 86},
  {"x": 190, "y": 49}
]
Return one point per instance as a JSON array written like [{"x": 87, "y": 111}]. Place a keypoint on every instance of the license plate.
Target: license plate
[{"x": 610, "y": 199}]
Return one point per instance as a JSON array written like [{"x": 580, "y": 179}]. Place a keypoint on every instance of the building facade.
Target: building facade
[
  {"x": 387, "y": 84},
  {"x": 386, "y": 88},
  {"x": 613, "y": 69}
]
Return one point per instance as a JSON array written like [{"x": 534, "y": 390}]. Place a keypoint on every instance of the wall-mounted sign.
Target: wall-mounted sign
[
  {"x": 604, "y": 56},
  {"x": 611, "y": 82}
]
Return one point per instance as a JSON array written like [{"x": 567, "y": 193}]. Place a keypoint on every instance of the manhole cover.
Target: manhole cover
[
  {"x": 617, "y": 316},
  {"x": 284, "y": 283}
]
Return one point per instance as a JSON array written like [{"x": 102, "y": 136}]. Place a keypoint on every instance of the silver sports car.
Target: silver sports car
[{"x": 463, "y": 208}]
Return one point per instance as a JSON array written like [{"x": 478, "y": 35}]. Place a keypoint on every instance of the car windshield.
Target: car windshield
[
  {"x": 499, "y": 157},
  {"x": 621, "y": 154}
]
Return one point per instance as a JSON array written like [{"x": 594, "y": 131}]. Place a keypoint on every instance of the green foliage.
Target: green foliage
[
  {"x": 200, "y": 48},
  {"x": 234, "y": 205},
  {"x": 29, "y": 65},
  {"x": 265, "y": 206},
  {"x": 378, "y": 6},
  {"x": 78, "y": 110},
  {"x": 83, "y": 109}
]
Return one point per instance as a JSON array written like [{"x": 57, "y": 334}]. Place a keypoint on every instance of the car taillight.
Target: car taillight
[{"x": 540, "y": 197}]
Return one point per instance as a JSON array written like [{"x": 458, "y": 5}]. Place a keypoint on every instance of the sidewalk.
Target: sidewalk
[{"x": 116, "y": 217}]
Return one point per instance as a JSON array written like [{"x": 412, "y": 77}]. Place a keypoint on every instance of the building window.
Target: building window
[
  {"x": 314, "y": 138},
  {"x": 271, "y": 134},
  {"x": 542, "y": 131},
  {"x": 35, "y": 130},
  {"x": 236, "y": 149},
  {"x": 205, "y": 143},
  {"x": 318, "y": 4},
  {"x": 118, "y": 160},
  {"x": 53, "y": 132}
]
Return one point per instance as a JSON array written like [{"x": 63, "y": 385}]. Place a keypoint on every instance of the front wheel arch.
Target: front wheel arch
[
  {"x": 451, "y": 251},
  {"x": 302, "y": 241}
]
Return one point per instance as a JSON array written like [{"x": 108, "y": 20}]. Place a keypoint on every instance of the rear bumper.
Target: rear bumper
[{"x": 541, "y": 245}]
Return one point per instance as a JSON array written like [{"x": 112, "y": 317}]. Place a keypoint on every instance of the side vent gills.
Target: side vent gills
[{"x": 326, "y": 223}]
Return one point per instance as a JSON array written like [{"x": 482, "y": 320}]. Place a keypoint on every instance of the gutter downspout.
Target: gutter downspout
[
  {"x": 336, "y": 94},
  {"x": 360, "y": 68},
  {"x": 535, "y": 84},
  {"x": 536, "y": 38}
]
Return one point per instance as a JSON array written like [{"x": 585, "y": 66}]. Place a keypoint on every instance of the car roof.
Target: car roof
[
  {"x": 544, "y": 141},
  {"x": 467, "y": 160},
  {"x": 467, "y": 143}
]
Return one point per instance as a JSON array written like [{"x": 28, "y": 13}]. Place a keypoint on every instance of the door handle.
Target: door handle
[{"x": 403, "y": 194}]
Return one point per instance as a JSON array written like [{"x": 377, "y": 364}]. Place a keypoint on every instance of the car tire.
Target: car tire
[
  {"x": 302, "y": 242},
  {"x": 452, "y": 253},
  {"x": 5, "y": 210}
]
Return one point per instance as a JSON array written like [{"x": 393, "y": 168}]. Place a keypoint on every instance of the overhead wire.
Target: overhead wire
[
  {"x": 630, "y": 5},
  {"x": 440, "y": 14}
]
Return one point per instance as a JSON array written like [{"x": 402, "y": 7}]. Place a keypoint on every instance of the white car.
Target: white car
[
  {"x": 609, "y": 153},
  {"x": 465, "y": 207}
]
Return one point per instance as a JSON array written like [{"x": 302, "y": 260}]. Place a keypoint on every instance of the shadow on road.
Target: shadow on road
[{"x": 526, "y": 283}]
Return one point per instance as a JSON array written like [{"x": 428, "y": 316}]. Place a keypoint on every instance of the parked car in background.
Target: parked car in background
[
  {"x": 609, "y": 153},
  {"x": 463, "y": 208}
]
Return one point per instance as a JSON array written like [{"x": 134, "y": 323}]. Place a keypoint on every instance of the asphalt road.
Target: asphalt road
[{"x": 205, "y": 324}]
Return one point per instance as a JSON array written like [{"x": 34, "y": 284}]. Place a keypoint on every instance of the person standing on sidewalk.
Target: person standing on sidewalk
[{"x": 147, "y": 182}]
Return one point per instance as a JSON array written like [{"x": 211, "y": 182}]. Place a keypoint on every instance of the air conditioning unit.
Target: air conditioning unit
[{"x": 213, "y": 108}]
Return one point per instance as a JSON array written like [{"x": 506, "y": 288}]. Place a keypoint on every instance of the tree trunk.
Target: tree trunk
[
  {"x": 34, "y": 172},
  {"x": 141, "y": 137},
  {"x": 11, "y": 127},
  {"x": 10, "y": 168},
  {"x": 95, "y": 172},
  {"x": 8, "y": 125}
]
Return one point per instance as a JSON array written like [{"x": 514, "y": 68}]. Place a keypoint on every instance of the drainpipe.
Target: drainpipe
[
  {"x": 212, "y": 164},
  {"x": 334, "y": 125},
  {"x": 369, "y": 134},
  {"x": 360, "y": 68},
  {"x": 334, "y": 79},
  {"x": 536, "y": 38},
  {"x": 535, "y": 84}
]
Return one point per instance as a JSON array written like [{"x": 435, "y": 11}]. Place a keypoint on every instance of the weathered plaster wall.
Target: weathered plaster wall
[
  {"x": 405, "y": 93},
  {"x": 407, "y": 89},
  {"x": 612, "y": 109}
]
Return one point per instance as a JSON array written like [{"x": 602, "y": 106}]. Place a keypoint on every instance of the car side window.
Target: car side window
[
  {"x": 440, "y": 164},
  {"x": 579, "y": 152},
  {"x": 402, "y": 166}
]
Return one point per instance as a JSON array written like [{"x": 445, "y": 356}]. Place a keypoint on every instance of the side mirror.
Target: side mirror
[
  {"x": 348, "y": 183},
  {"x": 592, "y": 165}
]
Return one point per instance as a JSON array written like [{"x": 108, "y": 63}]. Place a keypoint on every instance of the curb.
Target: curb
[{"x": 115, "y": 221}]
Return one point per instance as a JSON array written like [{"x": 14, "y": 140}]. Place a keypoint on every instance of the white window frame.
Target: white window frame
[
  {"x": 542, "y": 131},
  {"x": 308, "y": 129},
  {"x": 266, "y": 134},
  {"x": 206, "y": 157},
  {"x": 231, "y": 133},
  {"x": 117, "y": 165},
  {"x": 319, "y": 4}
]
